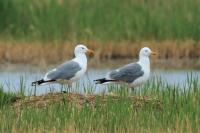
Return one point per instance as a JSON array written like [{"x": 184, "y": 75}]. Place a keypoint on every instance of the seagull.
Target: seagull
[
  {"x": 70, "y": 71},
  {"x": 133, "y": 74}
]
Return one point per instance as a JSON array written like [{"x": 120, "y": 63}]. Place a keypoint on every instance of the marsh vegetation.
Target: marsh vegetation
[
  {"x": 155, "y": 107},
  {"x": 103, "y": 21}
]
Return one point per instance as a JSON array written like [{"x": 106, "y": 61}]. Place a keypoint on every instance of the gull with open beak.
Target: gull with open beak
[
  {"x": 69, "y": 71},
  {"x": 134, "y": 74}
]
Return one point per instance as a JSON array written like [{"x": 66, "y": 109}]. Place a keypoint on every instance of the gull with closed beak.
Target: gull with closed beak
[
  {"x": 70, "y": 71},
  {"x": 133, "y": 74}
]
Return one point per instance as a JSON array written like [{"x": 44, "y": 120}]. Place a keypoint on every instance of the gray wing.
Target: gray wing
[
  {"x": 66, "y": 71},
  {"x": 128, "y": 73}
]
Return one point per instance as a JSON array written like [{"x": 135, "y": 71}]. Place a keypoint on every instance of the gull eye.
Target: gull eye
[
  {"x": 146, "y": 51},
  {"x": 82, "y": 47}
]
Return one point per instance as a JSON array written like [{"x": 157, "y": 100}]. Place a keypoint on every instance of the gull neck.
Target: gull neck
[
  {"x": 81, "y": 57},
  {"x": 144, "y": 60}
]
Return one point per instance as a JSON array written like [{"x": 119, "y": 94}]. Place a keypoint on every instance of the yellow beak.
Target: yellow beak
[
  {"x": 153, "y": 53},
  {"x": 90, "y": 53}
]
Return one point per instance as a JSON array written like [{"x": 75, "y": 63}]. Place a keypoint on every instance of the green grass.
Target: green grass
[
  {"x": 180, "y": 113},
  {"x": 5, "y": 98},
  {"x": 104, "y": 20}
]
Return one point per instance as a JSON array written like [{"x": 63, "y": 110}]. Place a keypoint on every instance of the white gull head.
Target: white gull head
[
  {"x": 145, "y": 52},
  {"x": 144, "y": 56},
  {"x": 81, "y": 50}
]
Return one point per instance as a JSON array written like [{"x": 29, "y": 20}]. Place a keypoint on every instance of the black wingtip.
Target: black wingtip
[
  {"x": 103, "y": 80},
  {"x": 99, "y": 81},
  {"x": 37, "y": 82}
]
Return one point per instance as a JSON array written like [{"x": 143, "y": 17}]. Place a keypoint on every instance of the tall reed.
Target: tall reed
[{"x": 99, "y": 20}]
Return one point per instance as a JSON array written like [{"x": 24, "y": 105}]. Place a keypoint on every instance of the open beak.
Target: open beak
[
  {"x": 153, "y": 53},
  {"x": 90, "y": 53}
]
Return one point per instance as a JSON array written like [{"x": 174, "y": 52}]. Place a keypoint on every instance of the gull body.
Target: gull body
[
  {"x": 70, "y": 71},
  {"x": 133, "y": 74}
]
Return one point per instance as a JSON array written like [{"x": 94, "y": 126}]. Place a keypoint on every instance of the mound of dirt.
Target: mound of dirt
[{"x": 79, "y": 100}]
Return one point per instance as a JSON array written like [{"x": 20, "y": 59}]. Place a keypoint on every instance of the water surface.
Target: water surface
[{"x": 12, "y": 76}]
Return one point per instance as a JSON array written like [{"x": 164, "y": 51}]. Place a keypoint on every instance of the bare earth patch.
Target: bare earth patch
[{"x": 80, "y": 100}]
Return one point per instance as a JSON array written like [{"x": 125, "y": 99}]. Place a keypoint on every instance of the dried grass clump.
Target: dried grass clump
[
  {"x": 79, "y": 100},
  {"x": 38, "y": 53}
]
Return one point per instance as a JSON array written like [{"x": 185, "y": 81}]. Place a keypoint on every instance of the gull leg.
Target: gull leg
[
  {"x": 35, "y": 88},
  {"x": 132, "y": 90},
  {"x": 69, "y": 87},
  {"x": 64, "y": 88},
  {"x": 61, "y": 89}
]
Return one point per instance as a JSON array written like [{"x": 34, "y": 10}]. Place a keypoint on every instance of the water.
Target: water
[{"x": 11, "y": 77}]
